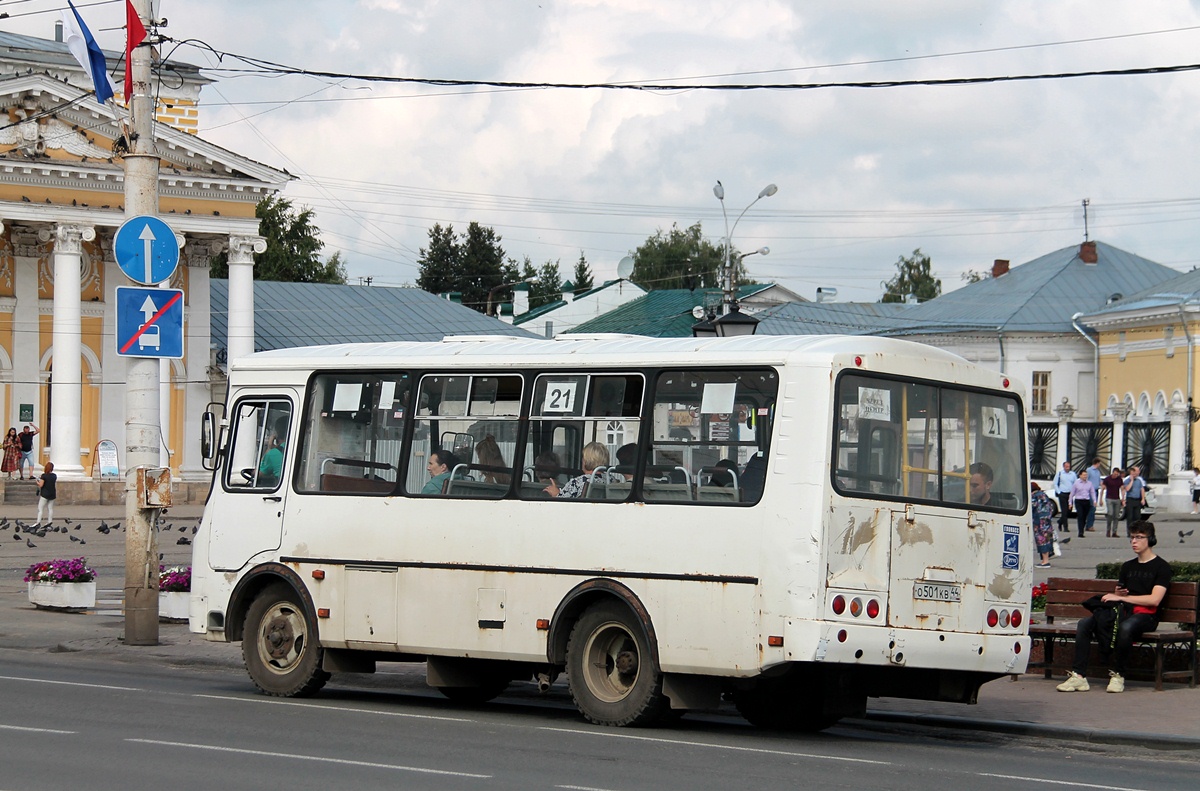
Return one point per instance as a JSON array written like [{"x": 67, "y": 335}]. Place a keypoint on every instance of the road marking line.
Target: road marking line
[
  {"x": 583, "y": 788},
  {"x": 70, "y": 683},
  {"x": 335, "y": 708},
  {"x": 35, "y": 730},
  {"x": 295, "y": 757},
  {"x": 709, "y": 745},
  {"x": 1059, "y": 782}
]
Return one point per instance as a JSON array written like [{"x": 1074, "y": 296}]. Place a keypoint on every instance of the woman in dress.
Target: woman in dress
[
  {"x": 1043, "y": 524},
  {"x": 12, "y": 452}
]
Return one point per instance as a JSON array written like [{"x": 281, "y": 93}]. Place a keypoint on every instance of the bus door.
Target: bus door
[{"x": 246, "y": 515}]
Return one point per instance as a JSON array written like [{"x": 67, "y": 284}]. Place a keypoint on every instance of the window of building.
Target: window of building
[{"x": 1039, "y": 395}]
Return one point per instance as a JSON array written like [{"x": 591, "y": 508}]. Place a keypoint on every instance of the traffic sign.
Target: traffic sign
[
  {"x": 146, "y": 250},
  {"x": 150, "y": 322}
]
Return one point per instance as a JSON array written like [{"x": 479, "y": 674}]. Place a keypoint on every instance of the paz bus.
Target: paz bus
[{"x": 791, "y": 523}]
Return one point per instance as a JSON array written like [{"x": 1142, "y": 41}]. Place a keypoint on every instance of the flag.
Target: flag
[
  {"x": 85, "y": 49},
  {"x": 135, "y": 34}
]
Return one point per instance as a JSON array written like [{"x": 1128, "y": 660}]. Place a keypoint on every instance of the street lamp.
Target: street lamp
[
  {"x": 732, "y": 321},
  {"x": 493, "y": 291}
]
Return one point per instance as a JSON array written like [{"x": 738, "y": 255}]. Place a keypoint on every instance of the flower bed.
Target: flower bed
[
  {"x": 61, "y": 570},
  {"x": 62, "y": 584},
  {"x": 176, "y": 579}
]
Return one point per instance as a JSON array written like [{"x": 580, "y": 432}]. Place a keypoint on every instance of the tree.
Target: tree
[
  {"x": 914, "y": 275},
  {"x": 975, "y": 276},
  {"x": 293, "y": 247},
  {"x": 583, "y": 275},
  {"x": 471, "y": 264},
  {"x": 681, "y": 259},
  {"x": 548, "y": 286}
]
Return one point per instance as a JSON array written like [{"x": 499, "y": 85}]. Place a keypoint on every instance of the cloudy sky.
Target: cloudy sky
[{"x": 967, "y": 173}]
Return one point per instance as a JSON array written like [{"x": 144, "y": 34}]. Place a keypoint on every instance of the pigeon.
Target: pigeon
[
  {"x": 17, "y": 536},
  {"x": 184, "y": 541},
  {"x": 78, "y": 526},
  {"x": 81, "y": 541},
  {"x": 29, "y": 543},
  {"x": 73, "y": 539},
  {"x": 103, "y": 528},
  {"x": 182, "y": 528},
  {"x": 1188, "y": 533},
  {"x": 195, "y": 529},
  {"x": 68, "y": 520}
]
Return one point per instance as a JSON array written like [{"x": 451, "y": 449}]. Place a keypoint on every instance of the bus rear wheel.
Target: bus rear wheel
[
  {"x": 279, "y": 645},
  {"x": 611, "y": 672}
]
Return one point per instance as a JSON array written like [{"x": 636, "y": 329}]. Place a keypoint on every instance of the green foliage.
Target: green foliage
[
  {"x": 546, "y": 285},
  {"x": 681, "y": 258},
  {"x": 293, "y": 247},
  {"x": 583, "y": 275},
  {"x": 1184, "y": 571},
  {"x": 914, "y": 275},
  {"x": 472, "y": 264}
]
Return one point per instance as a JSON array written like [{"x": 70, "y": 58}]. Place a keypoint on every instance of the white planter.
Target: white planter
[
  {"x": 63, "y": 595},
  {"x": 173, "y": 605}
]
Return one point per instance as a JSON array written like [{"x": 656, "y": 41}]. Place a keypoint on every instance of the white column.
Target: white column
[
  {"x": 1119, "y": 414},
  {"x": 197, "y": 351},
  {"x": 26, "y": 341},
  {"x": 1177, "y": 496},
  {"x": 239, "y": 324},
  {"x": 1065, "y": 412},
  {"x": 66, "y": 386}
]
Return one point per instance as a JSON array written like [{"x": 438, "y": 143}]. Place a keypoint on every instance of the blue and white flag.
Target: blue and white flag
[{"x": 85, "y": 49}]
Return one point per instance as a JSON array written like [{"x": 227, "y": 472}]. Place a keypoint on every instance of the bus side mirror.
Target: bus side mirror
[{"x": 208, "y": 440}]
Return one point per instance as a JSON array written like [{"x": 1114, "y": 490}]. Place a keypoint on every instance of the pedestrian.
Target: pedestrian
[
  {"x": 1095, "y": 475},
  {"x": 1134, "y": 487},
  {"x": 1083, "y": 496},
  {"x": 1064, "y": 479},
  {"x": 1043, "y": 525},
  {"x": 47, "y": 493},
  {"x": 12, "y": 452},
  {"x": 1114, "y": 498},
  {"x": 26, "y": 436},
  {"x": 1121, "y": 617},
  {"x": 1195, "y": 486}
]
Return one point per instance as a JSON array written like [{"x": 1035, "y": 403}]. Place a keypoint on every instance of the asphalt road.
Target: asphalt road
[{"x": 68, "y": 721}]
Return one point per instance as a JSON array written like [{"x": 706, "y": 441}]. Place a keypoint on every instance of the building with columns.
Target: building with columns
[{"x": 61, "y": 196}]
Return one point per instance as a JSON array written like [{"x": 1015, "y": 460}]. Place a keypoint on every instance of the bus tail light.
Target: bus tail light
[
  {"x": 842, "y": 635},
  {"x": 993, "y": 618},
  {"x": 1004, "y": 618},
  {"x": 775, "y": 640},
  {"x": 1016, "y": 618},
  {"x": 856, "y": 606},
  {"x": 323, "y": 612},
  {"x": 1016, "y": 648},
  {"x": 543, "y": 624},
  {"x": 318, "y": 574},
  {"x": 839, "y": 604},
  {"x": 873, "y": 609}
]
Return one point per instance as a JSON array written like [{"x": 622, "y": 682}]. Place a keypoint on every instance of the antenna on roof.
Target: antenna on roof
[{"x": 1086, "y": 201}]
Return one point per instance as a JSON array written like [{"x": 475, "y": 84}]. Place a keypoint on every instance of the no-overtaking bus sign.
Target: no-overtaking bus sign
[{"x": 150, "y": 322}]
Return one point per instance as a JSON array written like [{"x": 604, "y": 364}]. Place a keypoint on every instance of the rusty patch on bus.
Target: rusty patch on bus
[
  {"x": 913, "y": 534},
  {"x": 859, "y": 534},
  {"x": 1001, "y": 587}
]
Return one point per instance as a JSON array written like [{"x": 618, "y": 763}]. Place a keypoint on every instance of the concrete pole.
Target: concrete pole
[
  {"x": 66, "y": 384},
  {"x": 142, "y": 433}
]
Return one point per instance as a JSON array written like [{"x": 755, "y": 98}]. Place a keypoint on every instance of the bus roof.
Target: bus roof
[{"x": 598, "y": 349}]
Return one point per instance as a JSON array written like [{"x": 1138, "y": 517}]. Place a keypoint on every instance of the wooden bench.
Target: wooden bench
[{"x": 1064, "y": 599}]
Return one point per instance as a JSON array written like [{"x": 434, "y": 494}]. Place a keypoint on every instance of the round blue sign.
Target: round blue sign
[{"x": 146, "y": 250}]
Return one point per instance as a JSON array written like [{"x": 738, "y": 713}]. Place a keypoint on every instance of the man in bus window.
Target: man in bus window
[
  {"x": 981, "y": 483},
  {"x": 271, "y": 466},
  {"x": 441, "y": 463}
]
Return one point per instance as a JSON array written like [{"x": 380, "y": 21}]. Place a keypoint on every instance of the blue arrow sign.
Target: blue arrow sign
[
  {"x": 146, "y": 250},
  {"x": 150, "y": 322}
]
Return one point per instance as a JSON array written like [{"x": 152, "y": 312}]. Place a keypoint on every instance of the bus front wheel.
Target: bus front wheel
[
  {"x": 279, "y": 645},
  {"x": 611, "y": 673}
]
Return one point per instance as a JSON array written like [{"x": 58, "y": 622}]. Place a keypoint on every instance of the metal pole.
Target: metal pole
[{"x": 142, "y": 432}]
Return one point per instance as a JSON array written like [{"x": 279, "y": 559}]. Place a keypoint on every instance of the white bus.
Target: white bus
[{"x": 796, "y": 522}]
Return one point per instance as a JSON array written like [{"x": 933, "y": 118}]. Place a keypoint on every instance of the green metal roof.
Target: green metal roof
[{"x": 666, "y": 313}]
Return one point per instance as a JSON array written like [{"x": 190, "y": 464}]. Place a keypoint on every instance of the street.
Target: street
[{"x": 74, "y": 722}]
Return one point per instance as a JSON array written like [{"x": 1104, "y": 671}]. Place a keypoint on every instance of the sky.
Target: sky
[{"x": 966, "y": 173}]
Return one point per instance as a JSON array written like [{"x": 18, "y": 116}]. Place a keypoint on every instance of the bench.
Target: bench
[{"x": 1064, "y": 599}]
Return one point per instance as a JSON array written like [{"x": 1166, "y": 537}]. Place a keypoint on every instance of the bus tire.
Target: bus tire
[
  {"x": 611, "y": 672},
  {"x": 782, "y": 705},
  {"x": 279, "y": 645}
]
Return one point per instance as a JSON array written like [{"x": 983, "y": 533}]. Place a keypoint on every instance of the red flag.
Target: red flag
[{"x": 136, "y": 35}]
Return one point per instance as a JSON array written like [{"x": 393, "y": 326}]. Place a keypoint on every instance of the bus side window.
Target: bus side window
[
  {"x": 258, "y": 445},
  {"x": 351, "y": 440}
]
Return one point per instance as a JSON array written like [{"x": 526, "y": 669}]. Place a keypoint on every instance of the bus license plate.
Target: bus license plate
[{"x": 937, "y": 591}]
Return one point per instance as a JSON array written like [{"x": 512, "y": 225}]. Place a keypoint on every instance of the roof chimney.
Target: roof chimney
[
  {"x": 999, "y": 267},
  {"x": 58, "y": 31},
  {"x": 1087, "y": 253},
  {"x": 826, "y": 294}
]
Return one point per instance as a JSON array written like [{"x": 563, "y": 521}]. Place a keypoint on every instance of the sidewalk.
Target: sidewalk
[{"x": 1028, "y": 705}]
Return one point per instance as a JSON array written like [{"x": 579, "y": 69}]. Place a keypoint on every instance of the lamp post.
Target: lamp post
[
  {"x": 732, "y": 321},
  {"x": 494, "y": 290}
]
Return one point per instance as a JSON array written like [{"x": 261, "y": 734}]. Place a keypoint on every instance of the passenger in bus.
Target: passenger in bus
[
  {"x": 627, "y": 460},
  {"x": 753, "y": 477},
  {"x": 491, "y": 461},
  {"x": 594, "y": 455},
  {"x": 271, "y": 466},
  {"x": 981, "y": 483},
  {"x": 723, "y": 473},
  {"x": 441, "y": 462}
]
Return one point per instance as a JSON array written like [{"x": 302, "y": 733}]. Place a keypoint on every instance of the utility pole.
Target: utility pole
[{"x": 142, "y": 431}]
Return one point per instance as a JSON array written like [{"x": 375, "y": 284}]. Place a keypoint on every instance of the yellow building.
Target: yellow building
[
  {"x": 1147, "y": 378},
  {"x": 61, "y": 196}
]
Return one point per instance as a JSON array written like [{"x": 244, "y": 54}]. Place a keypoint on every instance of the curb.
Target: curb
[{"x": 1153, "y": 741}]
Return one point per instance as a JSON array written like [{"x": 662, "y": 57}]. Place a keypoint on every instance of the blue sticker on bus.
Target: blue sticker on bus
[{"x": 1011, "y": 560}]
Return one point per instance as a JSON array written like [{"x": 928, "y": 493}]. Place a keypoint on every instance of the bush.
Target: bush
[{"x": 1185, "y": 571}]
